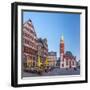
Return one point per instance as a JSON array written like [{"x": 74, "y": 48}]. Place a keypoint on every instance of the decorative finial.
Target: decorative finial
[{"x": 62, "y": 37}]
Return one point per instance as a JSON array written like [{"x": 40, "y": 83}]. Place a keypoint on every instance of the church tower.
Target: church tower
[{"x": 61, "y": 52}]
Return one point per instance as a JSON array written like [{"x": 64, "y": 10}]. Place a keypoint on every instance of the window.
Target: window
[
  {"x": 66, "y": 62},
  {"x": 62, "y": 65},
  {"x": 26, "y": 41},
  {"x": 73, "y": 62}
]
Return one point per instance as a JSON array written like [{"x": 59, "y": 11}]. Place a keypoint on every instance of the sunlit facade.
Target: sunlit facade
[
  {"x": 52, "y": 58},
  {"x": 29, "y": 44}
]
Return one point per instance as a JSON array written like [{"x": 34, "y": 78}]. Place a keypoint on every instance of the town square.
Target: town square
[{"x": 39, "y": 60}]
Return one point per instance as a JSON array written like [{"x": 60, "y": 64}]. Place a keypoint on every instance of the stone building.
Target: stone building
[
  {"x": 42, "y": 50},
  {"x": 52, "y": 58}
]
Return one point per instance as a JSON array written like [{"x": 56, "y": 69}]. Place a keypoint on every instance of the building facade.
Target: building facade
[
  {"x": 52, "y": 58},
  {"x": 30, "y": 45},
  {"x": 42, "y": 50},
  {"x": 67, "y": 60}
]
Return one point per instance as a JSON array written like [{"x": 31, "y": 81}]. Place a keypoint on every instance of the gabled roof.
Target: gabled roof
[{"x": 69, "y": 55}]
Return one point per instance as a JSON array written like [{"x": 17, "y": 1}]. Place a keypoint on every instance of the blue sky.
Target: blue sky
[{"x": 53, "y": 25}]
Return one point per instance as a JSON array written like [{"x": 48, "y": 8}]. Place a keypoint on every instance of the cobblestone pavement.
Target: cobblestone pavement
[{"x": 56, "y": 71}]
